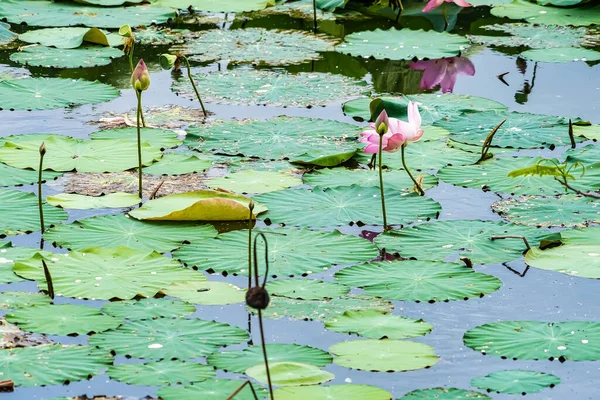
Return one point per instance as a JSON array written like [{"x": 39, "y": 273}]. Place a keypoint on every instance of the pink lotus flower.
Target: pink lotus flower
[
  {"x": 398, "y": 132},
  {"x": 436, "y": 3},
  {"x": 443, "y": 72},
  {"x": 140, "y": 78}
]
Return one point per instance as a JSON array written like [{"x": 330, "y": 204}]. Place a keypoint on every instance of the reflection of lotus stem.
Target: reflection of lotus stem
[
  {"x": 445, "y": 17},
  {"x": 139, "y": 142},
  {"x": 315, "y": 15},
  {"x": 189, "y": 72},
  {"x": 385, "y": 227},
  {"x": 42, "y": 152},
  {"x": 251, "y": 208},
  {"x": 417, "y": 186}
]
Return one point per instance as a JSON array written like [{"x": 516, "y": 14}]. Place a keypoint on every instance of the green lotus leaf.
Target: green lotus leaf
[
  {"x": 589, "y": 131},
  {"x": 561, "y": 55},
  {"x": 257, "y": 46},
  {"x": 217, "y": 389},
  {"x": 201, "y": 205},
  {"x": 567, "y": 210},
  {"x": 588, "y": 235},
  {"x": 249, "y": 181},
  {"x": 62, "y": 319},
  {"x": 335, "y": 177},
  {"x": 262, "y": 87},
  {"x": 206, "y": 293},
  {"x": 161, "y": 373},
  {"x": 8, "y": 256},
  {"x": 50, "y": 93},
  {"x": 383, "y": 355},
  {"x": 534, "y": 340},
  {"x": 118, "y": 230},
  {"x": 154, "y": 35},
  {"x": 231, "y": 6},
  {"x": 377, "y": 325},
  {"x": 303, "y": 9},
  {"x": 328, "y": 143},
  {"x": 448, "y": 240},
  {"x": 147, "y": 309},
  {"x": 162, "y": 338},
  {"x": 516, "y": 381},
  {"x": 47, "y": 13},
  {"x": 67, "y": 154},
  {"x": 323, "y": 310},
  {"x": 6, "y": 36},
  {"x": 240, "y": 360},
  {"x": 444, "y": 394},
  {"x": 291, "y": 251},
  {"x": 533, "y": 13},
  {"x": 108, "y": 3},
  {"x": 10, "y": 300},
  {"x": 10, "y": 176},
  {"x": 286, "y": 373},
  {"x": 560, "y": 3},
  {"x": 158, "y": 138},
  {"x": 581, "y": 260},
  {"x": 81, "y": 202},
  {"x": 419, "y": 280},
  {"x": 52, "y": 364},
  {"x": 588, "y": 155},
  {"x": 19, "y": 213},
  {"x": 306, "y": 289},
  {"x": 343, "y": 205},
  {"x": 65, "y": 38},
  {"x": 346, "y": 392},
  {"x": 178, "y": 164},
  {"x": 404, "y": 44},
  {"x": 97, "y": 273}
]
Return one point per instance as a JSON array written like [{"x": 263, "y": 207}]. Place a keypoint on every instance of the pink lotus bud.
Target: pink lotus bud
[
  {"x": 382, "y": 123},
  {"x": 140, "y": 79}
]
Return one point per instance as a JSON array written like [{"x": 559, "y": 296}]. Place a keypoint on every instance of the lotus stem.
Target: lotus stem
[
  {"x": 243, "y": 385},
  {"x": 513, "y": 237},
  {"x": 48, "y": 277},
  {"x": 264, "y": 349},
  {"x": 417, "y": 186},
  {"x": 487, "y": 144},
  {"x": 189, "y": 73},
  {"x": 139, "y": 143},
  {"x": 379, "y": 160},
  {"x": 571, "y": 136},
  {"x": 251, "y": 208},
  {"x": 42, "y": 153},
  {"x": 315, "y": 16}
]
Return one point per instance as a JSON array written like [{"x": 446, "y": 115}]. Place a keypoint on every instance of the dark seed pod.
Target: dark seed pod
[{"x": 257, "y": 297}]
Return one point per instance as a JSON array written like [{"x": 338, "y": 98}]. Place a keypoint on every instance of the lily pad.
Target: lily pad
[
  {"x": 118, "y": 230},
  {"x": 147, "y": 309},
  {"x": 377, "y": 325},
  {"x": 310, "y": 141},
  {"x": 403, "y": 44},
  {"x": 62, "y": 319},
  {"x": 581, "y": 260},
  {"x": 162, "y": 373},
  {"x": 50, "y": 93},
  {"x": 262, "y": 87},
  {"x": 344, "y": 205},
  {"x": 162, "y": 338},
  {"x": 212, "y": 389},
  {"x": 306, "y": 289},
  {"x": 6, "y": 36},
  {"x": 291, "y": 251},
  {"x": 447, "y": 240},
  {"x": 516, "y": 381},
  {"x": 19, "y": 213},
  {"x": 240, "y": 360},
  {"x": 444, "y": 394},
  {"x": 384, "y": 355},
  {"x": 11, "y": 300},
  {"x": 533, "y": 340},
  {"x": 119, "y": 273},
  {"x": 257, "y": 46},
  {"x": 286, "y": 373},
  {"x": 561, "y": 55},
  {"x": 178, "y": 164},
  {"x": 589, "y": 235},
  {"x": 158, "y": 138},
  {"x": 10, "y": 176},
  {"x": 206, "y": 293},
  {"x": 65, "y": 38},
  {"x": 419, "y": 280},
  {"x": 81, "y": 202},
  {"x": 335, "y": 177},
  {"x": 201, "y": 205},
  {"x": 51, "y": 364},
  {"x": 533, "y": 13},
  {"x": 249, "y": 181},
  {"x": 231, "y": 6},
  {"x": 346, "y": 392}
]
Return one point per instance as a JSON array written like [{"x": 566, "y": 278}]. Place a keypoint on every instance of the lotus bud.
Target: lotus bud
[
  {"x": 125, "y": 31},
  {"x": 257, "y": 298},
  {"x": 251, "y": 205},
  {"x": 382, "y": 123},
  {"x": 140, "y": 79},
  {"x": 42, "y": 148}
]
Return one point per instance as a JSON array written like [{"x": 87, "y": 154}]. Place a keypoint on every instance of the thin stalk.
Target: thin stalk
[
  {"x": 243, "y": 385},
  {"x": 315, "y": 16},
  {"x": 419, "y": 188},
  {"x": 379, "y": 160},
  {"x": 131, "y": 55},
  {"x": 139, "y": 143},
  {"x": 264, "y": 349},
  {"x": 189, "y": 73},
  {"x": 42, "y": 153},
  {"x": 251, "y": 208},
  {"x": 139, "y": 95},
  {"x": 48, "y": 277},
  {"x": 571, "y": 135},
  {"x": 523, "y": 238}
]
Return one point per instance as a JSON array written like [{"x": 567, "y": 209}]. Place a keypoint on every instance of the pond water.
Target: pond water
[{"x": 569, "y": 89}]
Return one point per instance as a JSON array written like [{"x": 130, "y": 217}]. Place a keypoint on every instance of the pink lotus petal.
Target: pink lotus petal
[
  {"x": 414, "y": 117},
  {"x": 434, "y": 74},
  {"x": 461, "y": 3},
  {"x": 447, "y": 84},
  {"x": 409, "y": 131},
  {"x": 394, "y": 143},
  {"x": 432, "y": 4},
  {"x": 372, "y": 149},
  {"x": 464, "y": 66}
]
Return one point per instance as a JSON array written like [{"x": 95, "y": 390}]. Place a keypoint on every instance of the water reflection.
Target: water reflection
[{"x": 443, "y": 72}]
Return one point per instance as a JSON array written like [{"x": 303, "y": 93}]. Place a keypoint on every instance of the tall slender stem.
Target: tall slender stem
[
  {"x": 417, "y": 185},
  {"x": 139, "y": 143},
  {"x": 131, "y": 55},
  {"x": 315, "y": 16},
  {"x": 42, "y": 152},
  {"x": 189, "y": 73},
  {"x": 251, "y": 208},
  {"x": 264, "y": 349},
  {"x": 379, "y": 160}
]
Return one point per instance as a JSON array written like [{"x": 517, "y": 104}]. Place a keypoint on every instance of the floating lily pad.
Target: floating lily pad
[
  {"x": 589, "y": 154},
  {"x": 384, "y": 355},
  {"x": 47, "y": 13},
  {"x": 306, "y": 289},
  {"x": 178, "y": 164},
  {"x": 286, "y": 373},
  {"x": 346, "y": 392},
  {"x": 217, "y": 389},
  {"x": 8, "y": 256},
  {"x": 397, "y": 180},
  {"x": 404, "y": 44},
  {"x": 10, "y": 300},
  {"x": 446, "y": 240},
  {"x": 62, "y": 319},
  {"x": 262, "y": 87},
  {"x": 232, "y": 6},
  {"x": 344, "y": 205},
  {"x": 581, "y": 260},
  {"x": 291, "y": 251},
  {"x": 162, "y": 338},
  {"x": 589, "y": 235},
  {"x": 10, "y": 176},
  {"x": 50, "y": 93},
  {"x": 566, "y": 210},
  {"x": 561, "y": 55},
  {"x": 162, "y": 373},
  {"x": 206, "y": 293},
  {"x": 147, "y": 308},
  {"x": 81, "y": 202},
  {"x": 257, "y": 46},
  {"x": 323, "y": 310},
  {"x": 201, "y": 205},
  {"x": 107, "y": 274},
  {"x": 19, "y": 213},
  {"x": 516, "y": 381},
  {"x": 52, "y": 364},
  {"x": 65, "y": 38},
  {"x": 254, "y": 181},
  {"x": 533, "y": 340},
  {"x": 303, "y": 9},
  {"x": 444, "y": 394},
  {"x": 419, "y": 280},
  {"x": 6, "y": 36},
  {"x": 158, "y": 138},
  {"x": 377, "y": 325},
  {"x": 240, "y": 360},
  {"x": 533, "y": 13}
]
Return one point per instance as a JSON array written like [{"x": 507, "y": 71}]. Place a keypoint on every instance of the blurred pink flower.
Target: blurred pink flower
[
  {"x": 436, "y": 3},
  {"x": 443, "y": 72}
]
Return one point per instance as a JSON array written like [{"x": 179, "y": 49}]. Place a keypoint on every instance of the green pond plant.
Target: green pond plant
[
  {"x": 41, "y": 168},
  {"x": 168, "y": 61},
  {"x": 128, "y": 46},
  {"x": 140, "y": 80}
]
